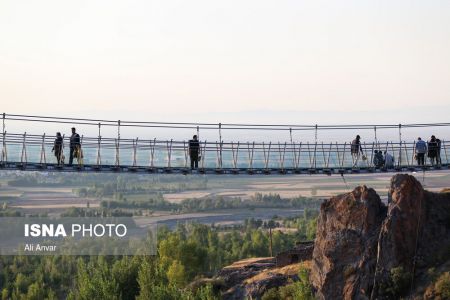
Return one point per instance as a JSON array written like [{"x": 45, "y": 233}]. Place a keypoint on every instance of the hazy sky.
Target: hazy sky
[{"x": 253, "y": 60}]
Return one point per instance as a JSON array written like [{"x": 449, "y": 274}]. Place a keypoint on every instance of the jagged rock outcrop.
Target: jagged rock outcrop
[
  {"x": 344, "y": 256},
  {"x": 363, "y": 252},
  {"x": 363, "y": 249},
  {"x": 415, "y": 235}
]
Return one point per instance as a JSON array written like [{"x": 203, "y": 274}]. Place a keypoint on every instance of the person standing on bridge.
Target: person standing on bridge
[
  {"x": 194, "y": 148},
  {"x": 57, "y": 147},
  {"x": 388, "y": 160},
  {"x": 356, "y": 150},
  {"x": 421, "y": 149},
  {"x": 438, "y": 153},
  {"x": 432, "y": 150},
  {"x": 75, "y": 145}
]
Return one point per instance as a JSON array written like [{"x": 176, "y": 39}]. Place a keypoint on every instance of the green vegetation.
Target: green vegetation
[
  {"x": 184, "y": 254},
  {"x": 83, "y": 212},
  {"x": 397, "y": 284},
  {"x": 154, "y": 202},
  {"x": 157, "y": 202},
  {"x": 188, "y": 252},
  {"x": 442, "y": 286},
  {"x": 135, "y": 185},
  {"x": 5, "y": 211},
  {"x": 110, "y": 183},
  {"x": 298, "y": 290},
  {"x": 306, "y": 225}
]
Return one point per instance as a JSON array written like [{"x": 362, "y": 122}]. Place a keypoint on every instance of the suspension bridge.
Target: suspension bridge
[{"x": 23, "y": 151}]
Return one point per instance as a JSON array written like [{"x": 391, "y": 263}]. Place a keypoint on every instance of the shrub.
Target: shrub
[
  {"x": 442, "y": 286},
  {"x": 300, "y": 289},
  {"x": 398, "y": 282}
]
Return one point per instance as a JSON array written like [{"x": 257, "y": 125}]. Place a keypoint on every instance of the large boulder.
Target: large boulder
[
  {"x": 344, "y": 256},
  {"x": 415, "y": 236}
]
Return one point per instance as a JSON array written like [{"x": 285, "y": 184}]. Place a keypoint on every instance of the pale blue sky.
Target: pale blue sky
[{"x": 247, "y": 61}]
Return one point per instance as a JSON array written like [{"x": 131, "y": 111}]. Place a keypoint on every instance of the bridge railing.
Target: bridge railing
[{"x": 105, "y": 151}]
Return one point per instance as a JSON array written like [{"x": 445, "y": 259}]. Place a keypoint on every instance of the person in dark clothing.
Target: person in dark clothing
[
  {"x": 75, "y": 145},
  {"x": 432, "y": 150},
  {"x": 378, "y": 159},
  {"x": 194, "y": 148},
  {"x": 438, "y": 152},
  {"x": 356, "y": 150},
  {"x": 57, "y": 147}
]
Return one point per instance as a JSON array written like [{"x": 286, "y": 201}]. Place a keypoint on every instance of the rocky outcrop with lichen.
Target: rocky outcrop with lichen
[
  {"x": 414, "y": 237},
  {"x": 363, "y": 251},
  {"x": 344, "y": 256}
]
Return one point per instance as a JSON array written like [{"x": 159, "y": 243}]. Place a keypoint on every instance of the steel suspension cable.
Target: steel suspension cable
[{"x": 211, "y": 126}]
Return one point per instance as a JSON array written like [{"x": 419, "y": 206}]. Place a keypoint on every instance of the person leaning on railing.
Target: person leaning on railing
[{"x": 421, "y": 149}]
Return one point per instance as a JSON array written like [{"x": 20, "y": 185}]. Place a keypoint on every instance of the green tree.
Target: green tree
[
  {"x": 5, "y": 294},
  {"x": 21, "y": 284},
  {"x": 176, "y": 274},
  {"x": 94, "y": 281},
  {"x": 35, "y": 292}
]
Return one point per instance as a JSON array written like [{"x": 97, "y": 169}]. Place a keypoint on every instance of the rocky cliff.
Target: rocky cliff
[
  {"x": 345, "y": 249},
  {"x": 365, "y": 250}
]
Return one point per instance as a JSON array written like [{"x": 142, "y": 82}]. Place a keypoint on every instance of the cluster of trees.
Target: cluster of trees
[
  {"x": 109, "y": 184},
  {"x": 76, "y": 212},
  {"x": 157, "y": 202},
  {"x": 24, "y": 181},
  {"x": 122, "y": 185},
  {"x": 154, "y": 202},
  {"x": 6, "y": 211},
  {"x": 183, "y": 255},
  {"x": 10, "y": 213},
  {"x": 306, "y": 226}
]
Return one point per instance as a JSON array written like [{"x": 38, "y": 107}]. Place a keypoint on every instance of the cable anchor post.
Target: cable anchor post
[
  {"x": 294, "y": 156},
  {"x": 220, "y": 146},
  {"x": 4, "y": 117},
  {"x": 118, "y": 145},
  {"x": 43, "y": 159},
  {"x": 23, "y": 157},
  {"x": 315, "y": 133},
  {"x": 99, "y": 143},
  {"x": 135, "y": 146},
  {"x": 400, "y": 145},
  {"x": 375, "y": 132},
  {"x": 4, "y": 157}
]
